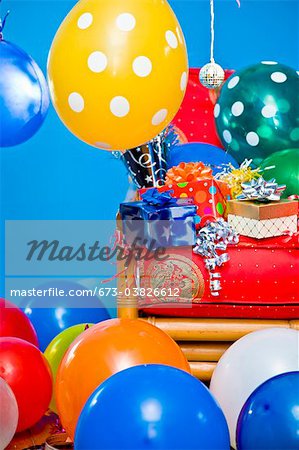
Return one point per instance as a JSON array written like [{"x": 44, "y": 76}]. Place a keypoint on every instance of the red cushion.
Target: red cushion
[{"x": 260, "y": 280}]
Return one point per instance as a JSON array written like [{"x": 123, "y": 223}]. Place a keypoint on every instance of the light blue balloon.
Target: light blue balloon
[{"x": 24, "y": 96}]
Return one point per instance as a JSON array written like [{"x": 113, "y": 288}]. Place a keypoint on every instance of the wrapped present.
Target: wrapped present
[
  {"x": 159, "y": 220},
  {"x": 195, "y": 180},
  {"x": 263, "y": 220},
  {"x": 258, "y": 274}
]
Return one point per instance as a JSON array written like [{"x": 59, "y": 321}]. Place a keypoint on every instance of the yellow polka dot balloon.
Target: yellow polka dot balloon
[{"x": 118, "y": 71}]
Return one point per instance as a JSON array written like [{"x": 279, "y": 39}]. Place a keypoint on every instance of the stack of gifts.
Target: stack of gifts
[
  {"x": 195, "y": 180},
  {"x": 241, "y": 236}
]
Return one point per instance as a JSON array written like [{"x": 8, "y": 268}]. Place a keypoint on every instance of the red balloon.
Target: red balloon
[
  {"x": 26, "y": 371},
  {"x": 14, "y": 323}
]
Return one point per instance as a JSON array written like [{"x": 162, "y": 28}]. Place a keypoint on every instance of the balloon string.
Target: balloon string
[
  {"x": 212, "y": 30},
  {"x": 2, "y": 24}
]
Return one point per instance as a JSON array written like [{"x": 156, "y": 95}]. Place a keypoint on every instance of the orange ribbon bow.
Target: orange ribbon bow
[{"x": 186, "y": 172}]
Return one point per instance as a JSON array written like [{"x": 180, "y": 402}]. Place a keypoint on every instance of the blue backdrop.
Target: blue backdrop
[{"x": 54, "y": 175}]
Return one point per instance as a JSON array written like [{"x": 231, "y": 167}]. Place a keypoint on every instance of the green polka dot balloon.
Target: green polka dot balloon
[{"x": 257, "y": 112}]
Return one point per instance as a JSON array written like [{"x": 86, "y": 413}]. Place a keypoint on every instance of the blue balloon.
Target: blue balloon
[
  {"x": 197, "y": 151},
  {"x": 269, "y": 420},
  {"x": 51, "y": 313},
  {"x": 24, "y": 95},
  {"x": 152, "y": 407}
]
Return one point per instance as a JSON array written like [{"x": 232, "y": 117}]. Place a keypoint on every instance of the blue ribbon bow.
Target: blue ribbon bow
[{"x": 156, "y": 198}]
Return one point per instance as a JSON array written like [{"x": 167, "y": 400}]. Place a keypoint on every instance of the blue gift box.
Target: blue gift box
[{"x": 159, "y": 220}]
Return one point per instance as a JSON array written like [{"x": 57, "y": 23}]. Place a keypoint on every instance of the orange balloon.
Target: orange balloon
[{"x": 103, "y": 350}]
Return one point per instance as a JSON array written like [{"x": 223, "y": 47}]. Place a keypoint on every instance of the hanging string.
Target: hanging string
[
  {"x": 213, "y": 28},
  {"x": 212, "y": 31}
]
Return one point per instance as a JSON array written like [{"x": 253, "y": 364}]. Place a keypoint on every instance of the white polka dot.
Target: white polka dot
[
  {"x": 97, "y": 62},
  {"x": 103, "y": 145},
  {"x": 119, "y": 106},
  {"x": 278, "y": 77},
  {"x": 142, "y": 66},
  {"x": 227, "y": 136},
  {"x": 216, "y": 110},
  {"x": 171, "y": 39},
  {"x": 233, "y": 82},
  {"x": 159, "y": 117},
  {"x": 237, "y": 109},
  {"x": 184, "y": 79},
  {"x": 126, "y": 22},
  {"x": 269, "y": 111},
  {"x": 76, "y": 102},
  {"x": 84, "y": 21},
  {"x": 269, "y": 63},
  {"x": 252, "y": 138}
]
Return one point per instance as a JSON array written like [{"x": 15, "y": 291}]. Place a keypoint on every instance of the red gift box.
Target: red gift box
[
  {"x": 195, "y": 120},
  {"x": 209, "y": 195},
  {"x": 260, "y": 280}
]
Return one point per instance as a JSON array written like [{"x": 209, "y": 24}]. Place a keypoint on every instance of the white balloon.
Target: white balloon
[
  {"x": 9, "y": 414},
  {"x": 249, "y": 362}
]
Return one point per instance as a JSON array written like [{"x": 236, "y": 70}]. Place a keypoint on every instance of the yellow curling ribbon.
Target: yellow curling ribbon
[{"x": 234, "y": 177}]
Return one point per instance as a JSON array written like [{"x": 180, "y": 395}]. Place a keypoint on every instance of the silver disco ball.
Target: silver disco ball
[{"x": 211, "y": 75}]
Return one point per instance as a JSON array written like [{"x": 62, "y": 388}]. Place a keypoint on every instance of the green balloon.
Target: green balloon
[
  {"x": 286, "y": 170},
  {"x": 258, "y": 111},
  {"x": 57, "y": 348}
]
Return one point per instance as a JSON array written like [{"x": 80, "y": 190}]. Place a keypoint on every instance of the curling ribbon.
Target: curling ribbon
[
  {"x": 2, "y": 23},
  {"x": 211, "y": 243},
  {"x": 261, "y": 190},
  {"x": 291, "y": 237},
  {"x": 235, "y": 176}
]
